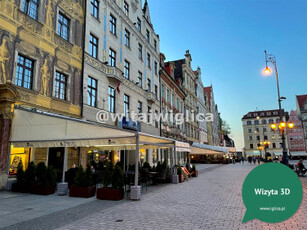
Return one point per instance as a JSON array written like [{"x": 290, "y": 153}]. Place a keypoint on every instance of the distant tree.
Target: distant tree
[{"x": 224, "y": 127}]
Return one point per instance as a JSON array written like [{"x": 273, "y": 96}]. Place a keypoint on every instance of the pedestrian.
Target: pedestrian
[
  {"x": 254, "y": 160},
  {"x": 259, "y": 160},
  {"x": 242, "y": 160}
]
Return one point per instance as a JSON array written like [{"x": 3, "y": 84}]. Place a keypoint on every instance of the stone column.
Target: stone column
[{"x": 8, "y": 96}]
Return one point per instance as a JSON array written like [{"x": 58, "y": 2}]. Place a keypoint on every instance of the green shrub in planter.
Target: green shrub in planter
[
  {"x": 51, "y": 176},
  {"x": 117, "y": 178},
  {"x": 20, "y": 176},
  {"x": 83, "y": 183},
  {"x": 41, "y": 172},
  {"x": 107, "y": 175},
  {"x": 30, "y": 174}
]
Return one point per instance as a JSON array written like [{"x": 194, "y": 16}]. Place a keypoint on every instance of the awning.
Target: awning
[
  {"x": 299, "y": 153},
  {"x": 198, "y": 148},
  {"x": 41, "y": 129},
  {"x": 278, "y": 153}
]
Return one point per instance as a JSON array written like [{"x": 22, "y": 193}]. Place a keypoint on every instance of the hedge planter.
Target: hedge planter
[
  {"x": 110, "y": 194},
  {"x": 20, "y": 188},
  {"x": 39, "y": 189},
  {"x": 181, "y": 178},
  {"x": 86, "y": 192},
  {"x": 195, "y": 173}
]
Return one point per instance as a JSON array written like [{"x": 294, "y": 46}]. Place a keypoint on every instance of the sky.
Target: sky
[{"x": 227, "y": 39}]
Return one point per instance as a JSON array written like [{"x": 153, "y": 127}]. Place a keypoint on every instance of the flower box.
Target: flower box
[
  {"x": 86, "y": 192},
  {"x": 40, "y": 189},
  {"x": 110, "y": 194}
]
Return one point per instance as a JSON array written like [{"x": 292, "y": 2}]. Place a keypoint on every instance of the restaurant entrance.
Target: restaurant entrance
[{"x": 56, "y": 160}]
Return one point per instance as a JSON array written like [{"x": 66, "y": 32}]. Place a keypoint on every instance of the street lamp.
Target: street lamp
[{"x": 269, "y": 58}]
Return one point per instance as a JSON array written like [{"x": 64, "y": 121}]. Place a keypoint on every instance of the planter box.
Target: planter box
[
  {"x": 39, "y": 189},
  {"x": 20, "y": 188},
  {"x": 110, "y": 194},
  {"x": 181, "y": 178},
  {"x": 85, "y": 192},
  {"x": 195, "y": 173}
]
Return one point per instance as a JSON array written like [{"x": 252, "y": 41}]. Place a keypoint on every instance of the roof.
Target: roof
[
  {"x": 301, "y": 99},
  {"x": 263, "y": 113}
]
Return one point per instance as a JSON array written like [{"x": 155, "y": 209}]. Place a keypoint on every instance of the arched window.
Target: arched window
[
  {"x": 264, "y": 122},
  {"x": 256, "y": 122},
  {"x": 271, "y": 121},
  {"x": 249, "y": 122}
]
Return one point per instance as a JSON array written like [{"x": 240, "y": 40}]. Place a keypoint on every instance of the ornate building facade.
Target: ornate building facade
[
  {"x": 185, "y": 75},
  {"x": 40, "y": 67},
  {"x": 295, "y": 137}
]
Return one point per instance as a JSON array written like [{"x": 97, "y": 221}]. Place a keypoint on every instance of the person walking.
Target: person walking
[
  {"x": 254, "y": 160},
  {"x": 258, "y": 160}
]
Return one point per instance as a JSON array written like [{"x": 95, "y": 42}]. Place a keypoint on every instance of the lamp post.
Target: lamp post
[{"x": 272, "y": 59}]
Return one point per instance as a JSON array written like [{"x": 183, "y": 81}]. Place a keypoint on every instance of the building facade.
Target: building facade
[
  {"x": 185, "y": 76},
  {"x": 295, "y": 137},
  {"x": 257, "y": 129},
  {"x": 213, "y": 126},
  {"x": 121, "y": 64},
  {"x": 301, "y": 110},
  {"x": 40, "y": 68},
  {"x": 201, "y": 105},
  {"x": 172, "y": 97}
]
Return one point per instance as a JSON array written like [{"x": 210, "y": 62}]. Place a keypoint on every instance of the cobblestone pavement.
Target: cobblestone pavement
[{"x": 211, "y": 201}]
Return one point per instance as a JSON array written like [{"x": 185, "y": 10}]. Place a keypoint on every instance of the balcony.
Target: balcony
[
  {"x": 151, "y": 97},
  {"x": 114, "y": 73}
]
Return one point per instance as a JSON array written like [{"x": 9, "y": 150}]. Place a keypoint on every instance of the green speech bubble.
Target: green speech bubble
[{"x": 272, "y": 193}]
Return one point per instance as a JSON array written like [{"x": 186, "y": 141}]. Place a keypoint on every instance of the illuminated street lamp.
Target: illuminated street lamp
[{"x": 269, "y": 58}]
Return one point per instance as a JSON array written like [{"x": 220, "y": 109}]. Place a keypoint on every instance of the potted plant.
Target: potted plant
[
  {"x": 114, "y": 177},
  {"x": 194, "y": 172},
  {"x": 180, "y": 174},
  {"x": 83, "y": 184},
  {"x": 20, "y": 185},
  {"x": 45, "y": 180}
]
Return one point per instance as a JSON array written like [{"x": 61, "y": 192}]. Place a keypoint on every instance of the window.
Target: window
[
  {"x": 60, "y": 86},
  {"x": 30, "y": 8},
  {"x": 93, "y": 48},
  {"x": 156, "y": 120},
  {"x": 24, "y": 72},
  {"x": 265, "y": 138},
  {"x": 95, "y": 8},
  {"x": 126, "y": 104},
  {"x": 63, "y": 26},
  {"x": 140, "y": 107},
  {"x": 148, "y": 85},
  {"x": 264, "y": 122},
  {"x": 140, "y": 79},
  {"x": 156, "y": 91},
  {"x": 127, "y": 69},
  {"x": 256, "y": 122},
  {"x": 148, "y": 60},
  {"x": 139, "y": 24},
  {"x": 126, "y": 8},
  {"x": 167, "y": 95},
  {"x": 127, "y": 38},
  {"x": 112, "y": 24},
  {"x": 258, "y": 138},
  {"x": 264, "y": 129},
  {"x": 277, "y": 120},
  {"x": 111, "y": 99},
  {"x": 156, "y": 68},
  {"x": 162, "y": 91},
  {"x": 92, "y": 92},
  {"x": 155, "y": 45},
  {"x": 140, "y": 52},
  {"x": 112, "y": 57},
  {"x": 148, "y": 113},
  {"x": 250, "y": 138},
  {"x": 147, "y": 35},
  {"x": 280, "y": 145},
  {"x": 251, "y": 146},
  {"x": 257, "y": 130},
  {"x": 249, "y": 122},
  {"x": 249, "y": 130},
  {"x": 274, "y": 145},
  {"x": 271, "y": 121}
]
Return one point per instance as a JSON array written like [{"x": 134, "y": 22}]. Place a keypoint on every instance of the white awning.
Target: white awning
[
  {"x": 40, "y": 129},
  {"x": 278, "y": 153},
  {"x": 198, "y": 148},
  {"x": 300, "y": 153}
]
